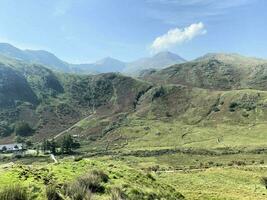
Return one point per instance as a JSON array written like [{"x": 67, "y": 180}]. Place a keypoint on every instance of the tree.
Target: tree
[
  {"x": 20, "y": 139},
  {"x": 53, "y": 146},
  {"x": 50, "y": 146},
  {"x": 4, "y": 148},
  {"x": 23, "y": 129},
  {"x": 29, "y": 143},
  {"x": 38, "y": 150},
  {"x": 67, "y": 144},
  {"x": 45, "y": 145}
]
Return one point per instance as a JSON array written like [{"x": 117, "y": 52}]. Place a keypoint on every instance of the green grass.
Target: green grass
[
  {"x": 133, "y": 183},
  {"x": 219, "y": 183},
  {"x": 155, "y": 134}
]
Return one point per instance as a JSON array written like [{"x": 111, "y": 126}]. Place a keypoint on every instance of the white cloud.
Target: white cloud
[{"x": 177, "y": 36}]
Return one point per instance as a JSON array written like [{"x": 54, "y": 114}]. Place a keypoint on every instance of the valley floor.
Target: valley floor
[{"x": 217, "y": 177}]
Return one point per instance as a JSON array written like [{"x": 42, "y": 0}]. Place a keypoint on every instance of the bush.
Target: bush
[
  {"x": 77, "y": 191},
  {"x": 14, "y": 192},
  {"x": 215, "y": 109},
  {"x": 103, "y": 177},
  {"x": 20, "y": 139},
  {"x": 91, "y": 182},
  {"x": 117, "y": 194},
  {"x": 264, "y": 181},
  {"x": 150, "y": 176},
  {"x": 158, "y": 93},
  {"x": 5, "y": 130},
  {"x": 233, "y": 106},
  {"x": 23, "y": 129},
  {"x": 78, "y": 158}
]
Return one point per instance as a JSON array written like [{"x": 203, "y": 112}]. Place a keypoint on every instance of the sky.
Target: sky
[{"x": 81, "y": 31}]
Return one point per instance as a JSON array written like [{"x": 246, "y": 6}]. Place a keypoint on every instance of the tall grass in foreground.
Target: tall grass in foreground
[
  {"x": 14, "y": 192},
  {"x": 80, "y": 189}
]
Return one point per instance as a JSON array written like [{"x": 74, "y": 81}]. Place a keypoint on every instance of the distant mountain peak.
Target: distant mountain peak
[
  {"x": 108, "y": 60},
  {"x": 158, "y": 61},
  {"x": 168, "y": 54},
  {"x": 108, "y": 64}
]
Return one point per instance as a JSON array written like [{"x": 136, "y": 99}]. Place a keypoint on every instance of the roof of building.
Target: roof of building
[{"x": 11, "y": 146}]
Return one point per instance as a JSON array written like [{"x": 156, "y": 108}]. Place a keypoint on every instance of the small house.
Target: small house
[{"x": 11, "y": 147}]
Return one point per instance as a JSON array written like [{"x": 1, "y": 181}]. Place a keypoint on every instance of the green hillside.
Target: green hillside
[
  {"x": 215, "y": 72},
  {"x": 183, "y": 130},
  {"x": 53, "y": 102}
]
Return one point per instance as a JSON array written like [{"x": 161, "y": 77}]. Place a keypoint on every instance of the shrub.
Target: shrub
[
  {"x": 215, "y": 109},
  {"x": 20, "y": 139},
  {"x": 103, "y": 177},
  {"x": 23, "y": 129},
  {"x": 92, "y": 181},
  {"x": 78, "y": 158},
  {"x": 150, "y": 176},
  {"x": 14, "y": 192},
  {"x": 264, "y": 181},
  {"x": 158, "y": 93},
  {"x": 154, "y": 168},
  {"x": 5, "y": 130},
  {"x": 77, "y": 191},
  {"x": 117, "y": 194},
  {"x": 233, "y": 106}
]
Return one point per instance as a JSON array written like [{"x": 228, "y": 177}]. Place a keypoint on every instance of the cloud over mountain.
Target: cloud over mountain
[{"x": 177, "y": 36}]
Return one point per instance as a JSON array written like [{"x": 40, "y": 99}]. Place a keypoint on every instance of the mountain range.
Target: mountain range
[
  {"x": 105, "y": 65},
  {"x": 226, "y": 88}
]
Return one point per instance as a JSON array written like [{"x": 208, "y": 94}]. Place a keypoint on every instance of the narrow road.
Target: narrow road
[
  {"x": 65, "y": 131},
  {"x": 53, "y": 158}
]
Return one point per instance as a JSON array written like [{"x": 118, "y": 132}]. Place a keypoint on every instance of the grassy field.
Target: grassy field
[
  {"x": 133, "y": 183},
  {"x": 241, "y": 183},
  {"x": 140, "y": 134},
  {"x": 196, "y": 175}
]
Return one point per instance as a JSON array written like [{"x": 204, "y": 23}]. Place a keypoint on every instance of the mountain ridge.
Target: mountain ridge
[{"x": 105, "y": 65}]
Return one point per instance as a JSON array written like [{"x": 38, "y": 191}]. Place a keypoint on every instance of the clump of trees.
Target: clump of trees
[
  {"x": 158, "y": 93},
  {"x": 23, "y": 129},
  {"x": 49, "y": 145},
  {"x": 64, "y": 146}
]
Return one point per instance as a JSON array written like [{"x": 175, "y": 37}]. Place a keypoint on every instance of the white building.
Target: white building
[{"x": 11, "y": 147}]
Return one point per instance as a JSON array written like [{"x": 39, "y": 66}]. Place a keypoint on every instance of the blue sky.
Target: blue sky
[{"x": 87, "y": 30}]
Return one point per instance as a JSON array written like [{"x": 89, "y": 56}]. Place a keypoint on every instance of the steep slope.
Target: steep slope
[
  {"x": 171, "y": 118},
  {"x": 187, "y": 105},
  {"x": 34, "y": 56},
  {"x": 42, "y": 80},
  {"x": 48, "y": 59},
  {"x": 190, "y": 105},
  {"x": 52, "y": 102},
  {"x": 158, "y": 61},
  {"x": 14, "y": 88}
]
